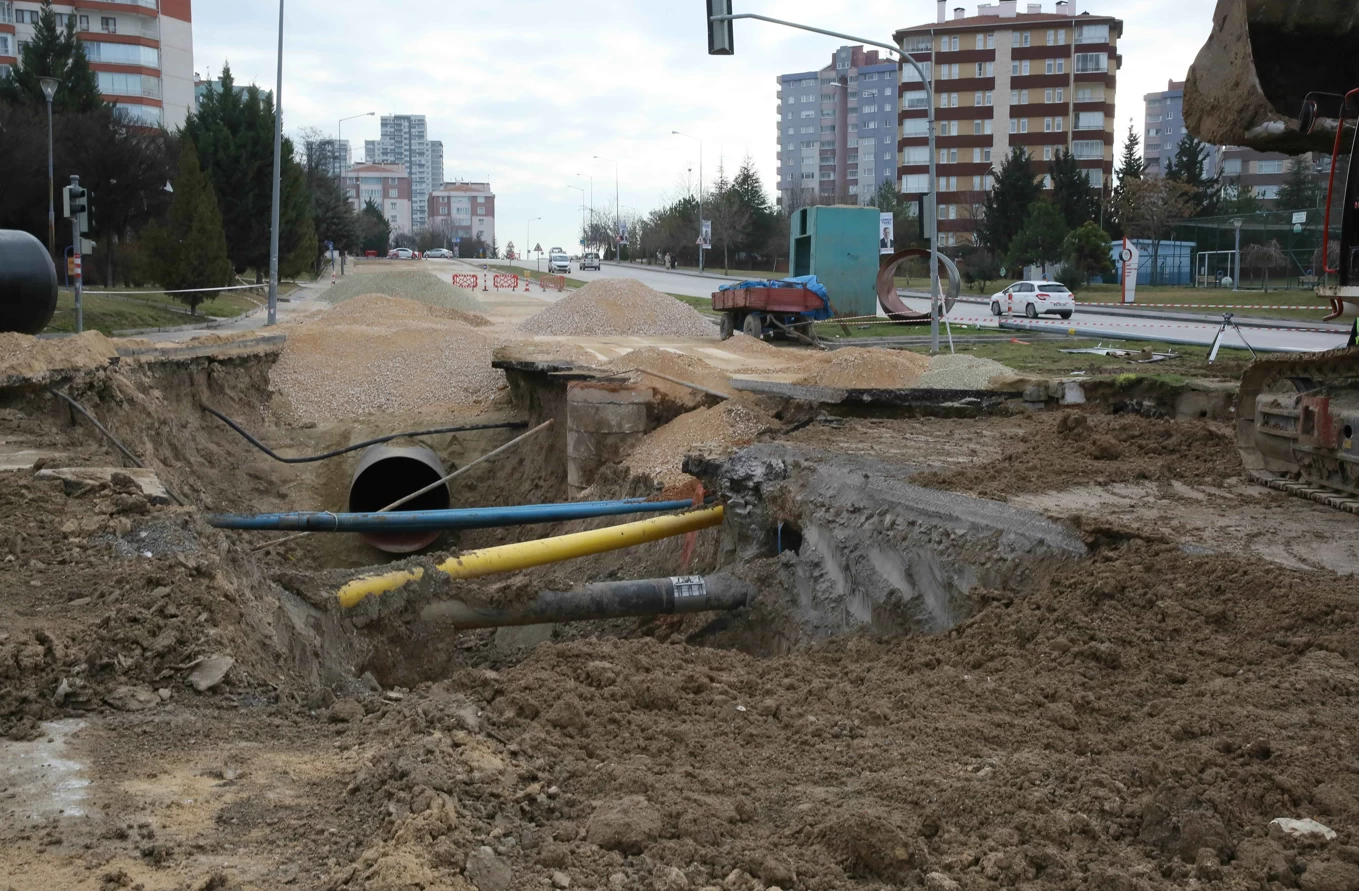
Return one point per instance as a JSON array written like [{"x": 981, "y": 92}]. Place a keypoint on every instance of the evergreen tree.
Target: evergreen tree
[
  {"x": 1071, "y": 192},
  {"x": 375, "y": 233},
  {"x": 1130, "y": 169},
  {"x": 335, "y": 219},
  {"x": 1187, "y": 167},
  {"x": 1087, "y": 250},
  {"x": 53, "y": 52},
  {"x": 748, "y": 191},
  {"x": 1302, "y": 190},
  {"x": 1238, "y": 200},
  {"x": 1008, "y": 206},
  {"x": 1041, "y": 239},
  {"x": 189, "y": 250}
]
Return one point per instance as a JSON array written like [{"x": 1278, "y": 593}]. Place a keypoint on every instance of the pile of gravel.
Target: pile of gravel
[
  {"x": 378, "y": 354},
  {"x": 873, "y": 368},
  {"x": 962, "y": 372},
  {"x": 423, "y": 287},
  {"x": 619, "y": 307}
]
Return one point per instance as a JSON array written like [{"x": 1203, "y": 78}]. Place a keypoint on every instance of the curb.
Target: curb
[{"x": 725, "y": 278}]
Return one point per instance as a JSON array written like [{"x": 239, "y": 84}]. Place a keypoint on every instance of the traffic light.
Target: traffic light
[
  {"x": 77, "y": 203},
  {"x": 721, "y": 39}
]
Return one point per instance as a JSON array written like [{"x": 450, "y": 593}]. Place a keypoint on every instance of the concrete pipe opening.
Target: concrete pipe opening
[{"x": 385, "y": 474}]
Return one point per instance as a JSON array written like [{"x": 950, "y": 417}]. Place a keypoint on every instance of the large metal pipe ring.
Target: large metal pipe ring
[
  {"x": 386, "y": 474},
  {"x": 887, "y": 274},
  {"x": 28, "y": 283}
]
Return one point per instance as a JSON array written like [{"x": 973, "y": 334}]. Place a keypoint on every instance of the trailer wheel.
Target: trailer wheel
[
  {"x": 753, "y": 326},
  {"x": 728, "y": 326}
]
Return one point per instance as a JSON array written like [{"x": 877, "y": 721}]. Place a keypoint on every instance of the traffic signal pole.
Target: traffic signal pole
[{"x": 78, "y": 275}]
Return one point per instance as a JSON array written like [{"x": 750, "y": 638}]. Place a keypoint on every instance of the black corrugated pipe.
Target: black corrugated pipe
[
  {"x": 603, "y": 600},
  {"x": 388, "y": 473}
]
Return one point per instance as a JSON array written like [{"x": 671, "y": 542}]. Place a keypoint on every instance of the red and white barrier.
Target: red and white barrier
[
  {"x": 502, "y": 280},
  {"x": 466, "y": 280},
  {"x": 555, "y": 282}
]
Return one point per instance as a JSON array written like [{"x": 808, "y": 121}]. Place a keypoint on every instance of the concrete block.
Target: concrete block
[
  {"x": 606, "y": 417},
  {"x": 1036, "y": 393},
  {"x": 1073, "y": 393},
  {"x": 146, "y": 480},
  {"x": 588, "y": 392}
]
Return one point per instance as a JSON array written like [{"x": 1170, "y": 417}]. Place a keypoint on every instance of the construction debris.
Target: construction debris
[{"x": 616, "y": 307}]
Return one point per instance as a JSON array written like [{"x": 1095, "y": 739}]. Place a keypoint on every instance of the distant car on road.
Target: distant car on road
[
  {"x": 557, "y": 261},
  {"x": 1033, "y": 299},
  {"x": 589, "y": 261},
  {"x": 401, "y": 254},
  {"x": 438, "y": 254}
]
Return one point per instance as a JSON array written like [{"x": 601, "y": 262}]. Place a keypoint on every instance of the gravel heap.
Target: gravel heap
[
  {"x": 672, "y": 364},
  {"x": 423, "y": 287},
  {"x": 22, "y": 355},
  {"x": 873, "y": 368},
  {"x": 708, "y": 431},
  {"x": 619, "y": 307},
  {"x": 963, "y": 372},
  {"x": 381, "y": 354}
]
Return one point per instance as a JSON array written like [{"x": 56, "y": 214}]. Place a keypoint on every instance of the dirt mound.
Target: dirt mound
[
  {"x": 383, "y": 354},
  {"x": 618, "y": 307},
  {"x": 708, "y": 431},
  {"x": 680, "y": 366},
  {"x": 963, "y": 372},
  {"x": 1059, "y": 450},
  {"x": 25, "y": 356},
  {"x": 422, "y": 287},
  {"x": 389, "y": 308},
  {"x": 871, "y": 368}
]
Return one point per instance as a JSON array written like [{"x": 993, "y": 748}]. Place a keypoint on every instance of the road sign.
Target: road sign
[
  {"x": 1297, "y": 228},
  {"x": 457, "y": 240},
  {"x": 538, "y": 247},
  {"x": 1300, "y": 217}
]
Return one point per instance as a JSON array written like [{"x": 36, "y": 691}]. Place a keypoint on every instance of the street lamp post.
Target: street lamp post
[
  {"x": 617, "y": 215},
  {"x": 278, "y": 178},
  {"x": 49, "y": 89},
  {"x": 1236, "y": 280},
  {"x": 935, "y": 305},
  {"x": 592, "y": 201},
  {"x": 700, "y": 191},
  {"x": 528, "y": 228},
  {"x": 582, "y": 216},
  {"x": 340, "y": 168}
]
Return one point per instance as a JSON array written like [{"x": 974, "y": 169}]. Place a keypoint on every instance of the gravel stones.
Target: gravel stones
[
  {"x": 382, "y": 354},
  {"x": 422, "y": 287},
  {"x": 716, "y": 430},
  {"x": 963, "y": 372},
  {"x": 616, "y": 307},
  {"x": 873, "y": 368},
  {"x": 22, "y": 355}
]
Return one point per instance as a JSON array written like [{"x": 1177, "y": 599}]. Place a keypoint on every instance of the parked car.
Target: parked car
[
  {"x": 1033, "y": 299},
  {"x": 401, "y": 254},
  {"x": 558, "y": 262},
  {"x": 438, "y": 254},
  {"x": 589, "y": 261}
]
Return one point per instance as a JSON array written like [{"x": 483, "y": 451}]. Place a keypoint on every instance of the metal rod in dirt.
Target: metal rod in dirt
[
  {"x": 466, "y": 467},
  {"x": 111, "y": 438},
  {"x": 604, "y": 600},
  {"x": 278, "y": 178},
  {"x": 675, "y": 380}
]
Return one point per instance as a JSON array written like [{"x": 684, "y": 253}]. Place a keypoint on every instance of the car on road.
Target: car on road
[
  {"x": 1034, "y": 299},
  {"x": 590, "y": 261},
  {"x": 401, "y": 254},
  {"x": 558, "y": 261},
  {"x": 438, "y": 254}
]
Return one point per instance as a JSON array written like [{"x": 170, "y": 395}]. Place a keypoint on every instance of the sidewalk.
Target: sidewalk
[
  {"x": 692, "y": 273},
  {"x": 1162, "y": 315}
]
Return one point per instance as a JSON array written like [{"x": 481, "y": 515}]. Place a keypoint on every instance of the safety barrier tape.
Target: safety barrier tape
[
  {"x": 186, "y": 290},
  {"x": 1072, "y": 326}
]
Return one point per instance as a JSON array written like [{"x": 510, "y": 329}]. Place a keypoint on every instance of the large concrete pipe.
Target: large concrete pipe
[
  {"x": 603, "y": 600},
  {"x": 389, "y": 473},
  {"x": 28, "y": 283}
]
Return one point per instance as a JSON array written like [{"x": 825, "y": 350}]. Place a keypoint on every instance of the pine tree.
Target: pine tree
[
  {"x": 1041, "y": 240},
  {"x": 375, "y": 233},
  {"x": 1087, "y": 251},
  {"x": 53, "y": 52},
  {"x": 1071, "y": 192},
  {"x": 1188, "y": 167},
  {"x": 1238, "y": 200},
  {"x": 1007, "y": 206},
  {"x": 1130, "y": 169},
  {"x": 1302, "y": 190},
  {"x": 189, "y": 250}
]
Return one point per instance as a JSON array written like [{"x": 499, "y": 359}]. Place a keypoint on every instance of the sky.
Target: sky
[{"x": 528, "y": 92}]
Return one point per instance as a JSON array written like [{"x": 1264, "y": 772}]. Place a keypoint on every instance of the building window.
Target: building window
[
  {"x": 916, "y": 44},
  {"x": 915, "y": 183},
  {"x": 1059, "y": 94},
  {"x": 1014, "y": 125},
  {"x": 944, "y": 128},
  {"x": 1089, "y": 120},
  {"x": 1047, "y": 125},
  {"x": 977, "y": 99},
  {"x": 1269, "y": 167},
  {"x": 976, "y": 128},
  {"x": 1092, "y": 33},
  {"x": 915, "y": 127},
  {"x": 1087, "y": 149},
  {"x": 4, "y": 45},
  {"x": 953, "y": 100},
  {"x": 1052, "y": 37},
  {"x": 868, "y": 109},
  {"x": 990, "y": 98},
  {"x": 915, "y": 155},
  {"x": 981, "y": 41},
  {"x": 1096, "y": 178},
  {"x": 108, "y": 24},
  {"x": 986, "y": 127},
  {"x": 1092, "y": 62},
  {"x": 915, "y": 99},
  {"x": 1267, "y": 193},
  {"x": 1047, "y": 181},
  {"x": 1057, "y": 125},
  {"x": 1232, "y": 167},
  {"x": 1023, "y": 97},
  {"x": 1154, "y": 131},
  {"x": 1024, "y": 126},
  {"x": 1061, "y": 66},
  {"x": 955, "y": 43}
]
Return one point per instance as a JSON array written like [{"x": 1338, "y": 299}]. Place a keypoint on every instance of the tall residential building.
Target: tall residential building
[
  {"x": 463, "y": 210},
  {"x": 1003, "y": 78},
  {"x": 1163, "y": 129},
  {"x": 436, "y": 163},
  {"x": 141, "y": 51},
  {"x": 837, "y": 129},
  {"x": 370, "y": 151},
  {"x": 1261, "y": 172},
  {"x": 405, "y": 141},
  {"x": 387, "y": 185}
]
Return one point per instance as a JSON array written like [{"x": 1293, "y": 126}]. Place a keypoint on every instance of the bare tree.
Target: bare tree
[
  {"x": 731, "y": 220},
  {"x": 1151, "y": 208},
  {"x": 1263, "y": 257}
]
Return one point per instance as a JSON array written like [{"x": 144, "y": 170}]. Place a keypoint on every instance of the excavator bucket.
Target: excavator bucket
[{"x": 1247, "y": 85}]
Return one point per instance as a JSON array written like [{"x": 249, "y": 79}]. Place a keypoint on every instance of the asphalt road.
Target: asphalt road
[{"x": 652, "y": 277}]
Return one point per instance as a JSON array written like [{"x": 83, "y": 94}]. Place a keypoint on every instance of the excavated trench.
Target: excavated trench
[{"x": 829, "y": 544}]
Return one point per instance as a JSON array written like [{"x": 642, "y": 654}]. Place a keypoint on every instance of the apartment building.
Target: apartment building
[
  {"x": 1261, "y": 172},
  {"x": 404, "y": 140},
  {"x": 837, "y": 129},
  {"x": 463, "y": 210},
  {"x": 1002, "y": 78},
  {"x": 1163, "y": 128},
  {"x": 141, "y": 51},
  {"x": 388, "y": 186}
]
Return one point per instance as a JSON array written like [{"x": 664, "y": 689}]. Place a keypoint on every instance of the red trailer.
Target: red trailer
[{"x": 787, "y": 310}]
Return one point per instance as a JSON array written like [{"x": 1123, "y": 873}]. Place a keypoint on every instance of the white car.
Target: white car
[
  {"x": 438, "y": 254},
  {"x": 557, "y": 261},
  {"x": 590, "y": 261},
  {"x": 1033, "y": 299},
  {"x": 401, "y": 254}
]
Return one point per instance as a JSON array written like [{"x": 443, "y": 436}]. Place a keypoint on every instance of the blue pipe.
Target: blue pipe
[{"x": 465, "y": 518}]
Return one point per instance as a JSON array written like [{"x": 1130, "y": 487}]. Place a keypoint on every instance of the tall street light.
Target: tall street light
[
  {"x": 338, "y": 140},
  {"x": 592, "y": 200},
  {"x": 278, "y": 178},
  {"x": 49, "y": 89},
  {"x": 700, "y": 192},
  {"x": 617, "y": 217},
  {"x": 582, "y": 216},
  {"x": 528, "y": 228}
]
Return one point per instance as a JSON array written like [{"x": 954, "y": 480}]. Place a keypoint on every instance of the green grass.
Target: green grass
[
  {"x": 1310, "y": 308},
  {"x": 702, "y": 304},
  {"x": 228, "y": 304},
  {"x": 106, "y": 316}
]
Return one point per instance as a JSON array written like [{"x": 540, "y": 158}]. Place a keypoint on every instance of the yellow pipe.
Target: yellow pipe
[{"x": 509, "y": 558}]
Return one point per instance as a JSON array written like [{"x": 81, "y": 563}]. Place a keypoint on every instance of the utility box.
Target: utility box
[{"x": 838, "y": 245}]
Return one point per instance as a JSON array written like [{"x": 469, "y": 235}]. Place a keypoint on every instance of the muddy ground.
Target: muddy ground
[{"x": 1129, "y": 719}]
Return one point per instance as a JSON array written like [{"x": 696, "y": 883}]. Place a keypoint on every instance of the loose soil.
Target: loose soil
[
  {"x": 872, "y": 368},
  {"x": 619, "y": 307}
]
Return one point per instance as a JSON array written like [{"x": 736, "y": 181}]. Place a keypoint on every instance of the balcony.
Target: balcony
[{"x": 6, "y": 12}]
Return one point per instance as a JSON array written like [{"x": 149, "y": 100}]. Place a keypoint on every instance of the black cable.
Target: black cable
[
  {"x": 111, "y": 438},
  {"x": 507, "y": 425}
]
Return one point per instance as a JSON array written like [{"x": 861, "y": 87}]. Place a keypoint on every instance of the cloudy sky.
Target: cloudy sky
[{"x": 527, "y": 92}]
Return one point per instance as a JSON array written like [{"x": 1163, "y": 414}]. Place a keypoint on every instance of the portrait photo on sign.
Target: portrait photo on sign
[{"x": 885, "y": 237}]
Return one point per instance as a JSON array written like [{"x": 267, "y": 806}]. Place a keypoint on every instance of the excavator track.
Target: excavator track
[{"x": 1279, "y": 466}]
